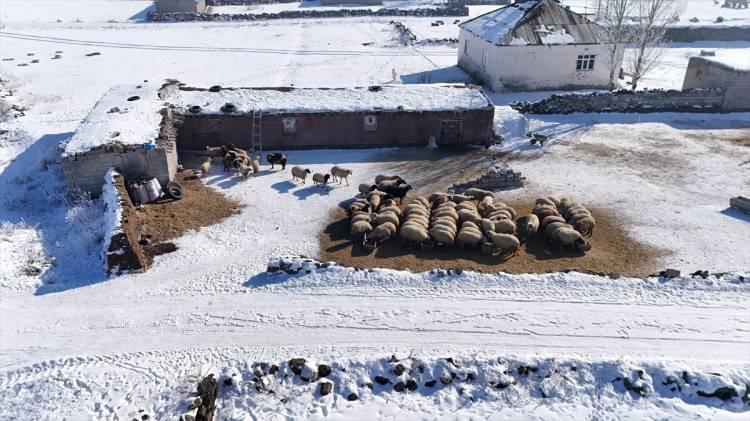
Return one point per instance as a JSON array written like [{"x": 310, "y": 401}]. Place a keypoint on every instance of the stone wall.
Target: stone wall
[
  {"x": 452, "y": 10},
  {"x": 696, "y": 100},
  {"x": 707, "y": 33},
  {"x": 121, "y": 252}
]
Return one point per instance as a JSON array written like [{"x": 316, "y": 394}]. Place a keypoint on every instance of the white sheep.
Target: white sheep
[
  {"x": 554, "y": 200},
  {"x": 360, "y": 229},
  {"x": 550, "y": 229},
  {"x": 243, "y": 170},
  {"x": 466, "y": 205},
  {"x": 545, "y": 201},
  {"x": 585, "y": 225},
  {"x": 505, "y": 226},
  {"x": 341, "y": 173},
  {"x": 300, "y": 173},
  {"x": 390, "y": 208},
  {"x": 465, "y": 215},
  {"x": 445, "y": 212},
  {"x": 413, "y": 233},
  {"x": 383, "y": 177},
  {"x": 205, "y": 166},
  {"x": 383, "y": 217},
  {"x": 550, "y": 219},
  {"x": 506, "y": 243},
  {"x": 256, "y": 167},
  {"x": 486, "y": 205},
  {"x": 365, "y": 188},
  {"x": 362, "y": 217},
  {"x": 478, "y": 194},
  {"x": 468, "y": 236},
  {"x": 321, "y": 179},
  {"x": 437, "y": 195},
  {"x": 499, "y": 214},
  {"x": 381, "y": 233},
  {"x": 503, "y": 206},
  {"x": 442, "y": 236},
  {"x": 568, "y": 237},
  {"x": 528, "y": 225},
  {"x": 458, "y": 198}
]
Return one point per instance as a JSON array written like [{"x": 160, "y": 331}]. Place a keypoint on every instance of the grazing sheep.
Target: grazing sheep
[
  {"x": 362, "y": 217},
  {"x": 487, "y": 225},
  {"x": 554, "y": 200},
  {"x": 341, "y": 173},
  {"x": 448, "y": 204},
  {"x": 375, "y": 198},
  {"x": 447, "y": 224},
  {"x": 545, "y": 201},
  {"x": 585, "y": 225},
  {"x": 321, "y": 179},
  {"x": 445, "y": 212},
  {"x": 528, "y": 225},
  {"x": 366, "y": 188},
  {"x": 550, "y": 229},
  {"x": 478, "y": 194},
  {"x": 576, "y": 209},
  {"x": 505, "y": 226},
  {"x": 442, "y": 236},
  {"x": 565, "y": 203},
  {"x": 359, "y": 205},
  {"x": 360, "y": 229},
  {"x": 413, "y": 234},
  {"x": 389, "y": 202},
  {"x": 545, "y": 211},
  {"x": 400, "y": 192},
  {"x": 274, "y": 158},
  {"x": 383, "y": 217},
  {"x": 422, "y": 200},
  {"x": 486, "y": 205},
  {"x": 381, "y": 233},
  {"x": 205, "y": 166},
  {"x": 506, "y": 243},
  {"x": 393, "y": 209},
  {"x": 417, "y": 219},
  {"x": 243, "y": 170},
  {"x": 466, "y": 205},
  {"x": 300, "y": 173},
  {"x": 215, "y": 151},
  {"x": 503, "y": 206},
  {"x": 458, "y": 198},
  {"x": 468, "y": 236},
  {"x": 550, "y": 219},
  {"x": 438, "y": 198},
  {"x": 499, "y": 214},
  {"x": 383, "y": 177},
  {"x": 466, "y": 215},
  {"x": 386, "y": 185},
  {"x": 256, "y": 167},
  {"x": 568, "y": 237}
]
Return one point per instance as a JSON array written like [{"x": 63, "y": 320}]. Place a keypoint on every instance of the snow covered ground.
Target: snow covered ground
[
  {"x": 706, "y": 12},
  {"x": 75, "y": 344}
]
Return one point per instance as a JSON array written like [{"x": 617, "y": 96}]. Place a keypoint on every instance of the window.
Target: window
[
  {"x": 371, "y": 122},
  {"x": 585, "y": 62},
  {"x": 288, "y": 125}
]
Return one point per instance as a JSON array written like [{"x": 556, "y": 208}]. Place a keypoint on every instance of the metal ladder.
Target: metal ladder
[{"x": 256, "y": 139}]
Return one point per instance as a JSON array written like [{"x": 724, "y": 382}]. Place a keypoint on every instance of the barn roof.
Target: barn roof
[{"x": 533, "y": 22}]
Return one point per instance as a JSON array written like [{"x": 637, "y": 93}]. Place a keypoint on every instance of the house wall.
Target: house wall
[
  {"x": 533, "y": 67},
  {"x": 180, "y": 6},
  {"x": 704, "y": 73},
  {"x": 360, "y": 2},
  {"x": 321, "y": 130},
  {"x": 86, "y": 172}
]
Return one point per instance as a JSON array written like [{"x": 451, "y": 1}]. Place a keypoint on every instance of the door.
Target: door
[{"x": 450, "y": 132}]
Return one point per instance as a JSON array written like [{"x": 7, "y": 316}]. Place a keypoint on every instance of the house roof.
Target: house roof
[
  {"x": 130, "y": 115},
  {"x": 534, "y": 22}
]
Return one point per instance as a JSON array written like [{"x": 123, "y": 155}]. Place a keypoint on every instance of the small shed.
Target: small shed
[
  {"x": 180, "y": 6},
  {"x": 731, "y": 74}
]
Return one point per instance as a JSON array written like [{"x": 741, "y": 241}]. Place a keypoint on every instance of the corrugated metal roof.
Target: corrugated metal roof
[{"x": 531, "y": 22}]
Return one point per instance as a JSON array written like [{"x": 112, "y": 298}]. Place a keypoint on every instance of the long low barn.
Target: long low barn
[{"x": 139, "y": 129}]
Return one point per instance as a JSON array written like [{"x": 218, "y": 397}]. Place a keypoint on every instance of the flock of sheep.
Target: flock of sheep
[
  {"x": 471, "y": 219},
  {"x": 239, "y": 160}
]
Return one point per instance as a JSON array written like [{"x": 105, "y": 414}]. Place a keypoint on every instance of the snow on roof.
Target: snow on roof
[
  {"x": 493, "y": 26},
  {"x": 736, "y": 59},
  {"x": 114, "y": 119},
  {"x": 441, "y": 97}
]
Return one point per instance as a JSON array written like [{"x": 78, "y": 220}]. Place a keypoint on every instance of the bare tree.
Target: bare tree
[
  {"x": 648, "y": 35},
  {"x": 614, "y": 32}
]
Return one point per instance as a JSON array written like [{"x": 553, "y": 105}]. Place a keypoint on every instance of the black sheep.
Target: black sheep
[
  {"x": 276, "y": 158},
  {"x": 399, "y": 192}
]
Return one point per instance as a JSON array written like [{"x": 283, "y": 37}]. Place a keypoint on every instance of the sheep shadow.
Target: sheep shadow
[
  {"x": 265, "y": 279},
  {"x": 283, "y": 186},
  {"x": 737, "y": 214},
  {"x": 538, "y": 247},
  {"x": 220, "y": 177},
  {"x": 304, "y": 193},
  {"x": 35, "y": 193},
  {"x": 230, "y": 182}
]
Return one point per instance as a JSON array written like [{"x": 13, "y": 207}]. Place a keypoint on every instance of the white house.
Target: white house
[{"x": 535, "y": 45}]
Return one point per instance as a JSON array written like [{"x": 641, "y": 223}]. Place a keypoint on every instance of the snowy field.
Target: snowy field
[
  {"x": 76, "y": 345},
  {"x": 706, "y": 12}
]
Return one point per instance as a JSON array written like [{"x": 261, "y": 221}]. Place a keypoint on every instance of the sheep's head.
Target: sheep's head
[
  {"x": 326, "y": 177},
  {"x": 407, "y": 187},
  {"x": 400, "y": 181},
  {"x": 373, "y": 187},
  {"x": 307, "y": 171},
  {"x": 348, "y": 172},
  {"x": 582, "y": 245},
  {"x": 236, "y": 163}
]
